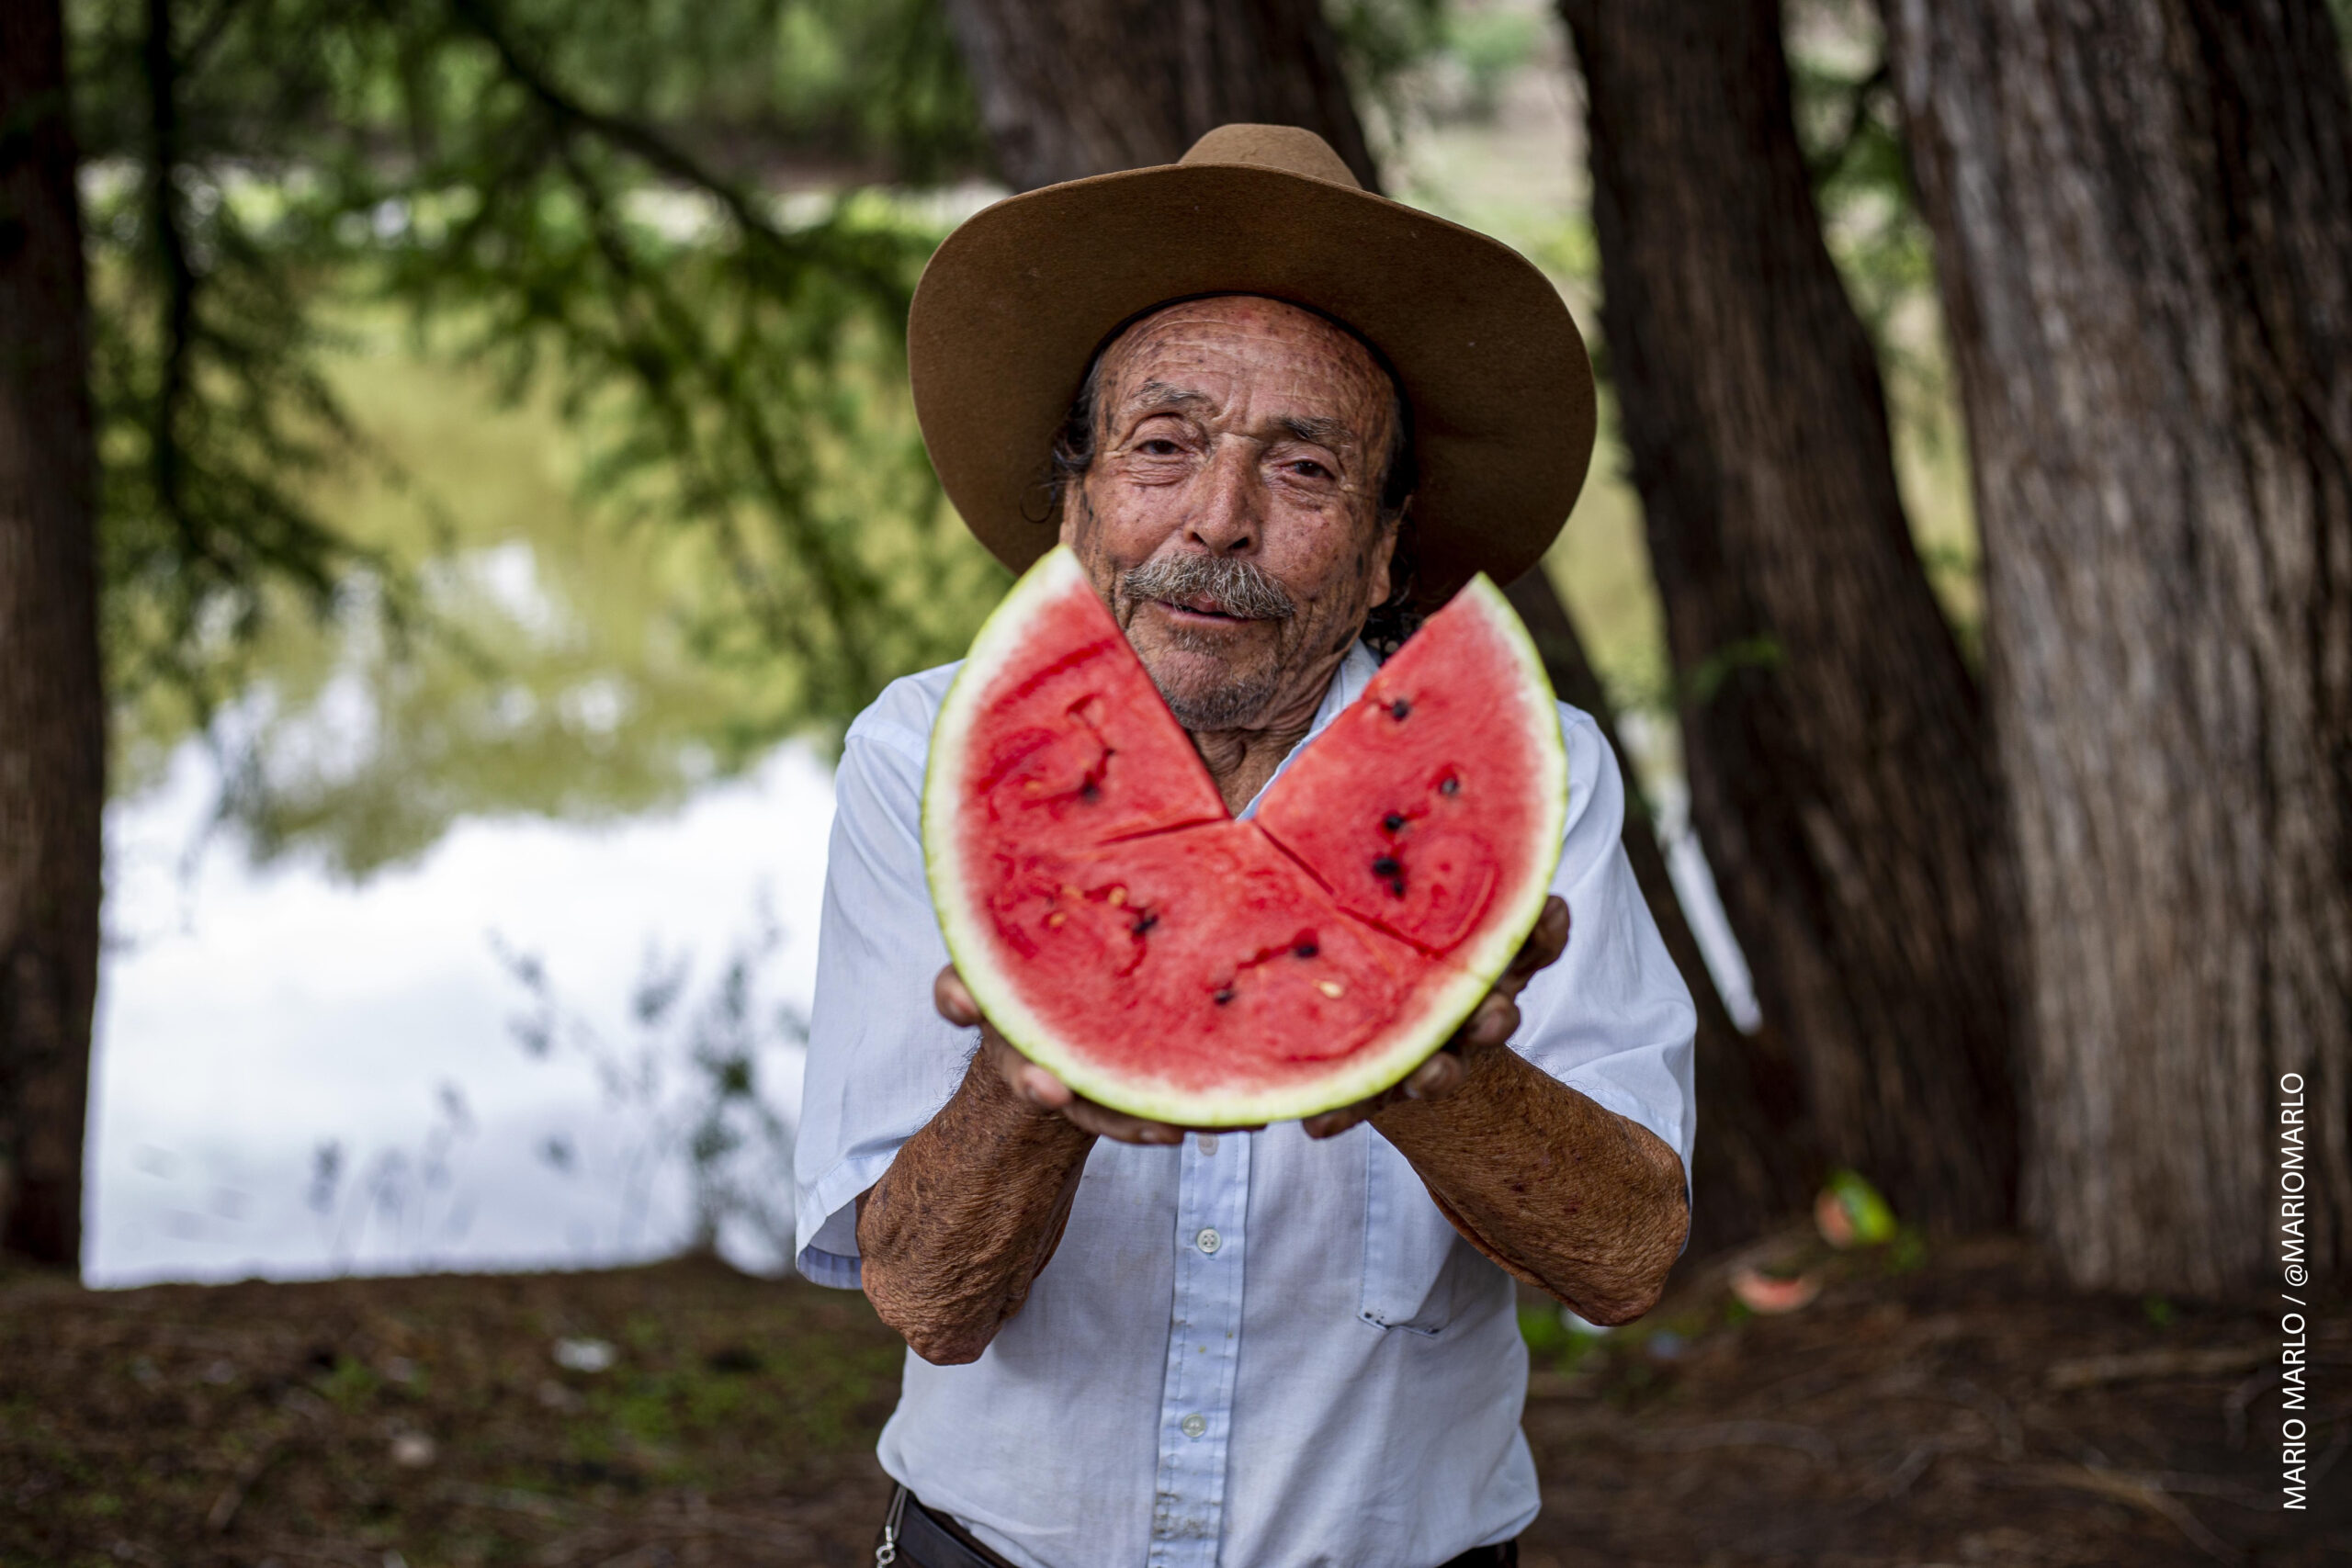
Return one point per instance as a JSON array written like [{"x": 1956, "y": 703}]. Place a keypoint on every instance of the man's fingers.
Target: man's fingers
[
  {"x": 1042, "y": 1089},
  {"x": 1542, "y": 949},
  {"x": 1494, "y": 1022},
  {"x": 1435, "y": 1079},
  {"x": 954, "y": 1001},
  {"x": 1104, "y": 1122},
  {"x": 1331, "y": 1123}
]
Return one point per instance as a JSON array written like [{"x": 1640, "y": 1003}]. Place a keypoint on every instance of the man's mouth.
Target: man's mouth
[
  {"x": 1199, "y": 591},
  {"x": 1202, "y": 607}
]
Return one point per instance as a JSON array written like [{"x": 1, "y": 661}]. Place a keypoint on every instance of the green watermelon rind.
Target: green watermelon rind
[
  {"x": 1408, "y": 1042},
  {"x": 968, "y": 945}
]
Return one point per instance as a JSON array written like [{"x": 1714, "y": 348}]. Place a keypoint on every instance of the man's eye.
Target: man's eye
[
  {"x": 1159, "y": 446},
  {"x": 1308, "y": 469}
]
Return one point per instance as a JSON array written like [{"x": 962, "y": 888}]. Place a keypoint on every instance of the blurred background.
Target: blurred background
[
  {"x": 459, "y": 481},
  {"x": 490, "y": 685}
]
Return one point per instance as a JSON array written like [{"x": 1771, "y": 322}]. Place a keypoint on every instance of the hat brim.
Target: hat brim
[{"x": 1016, "y": 302}]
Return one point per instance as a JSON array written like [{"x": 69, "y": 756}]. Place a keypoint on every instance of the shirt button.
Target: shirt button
[
  {"x": 1194, "y": 1425},
  {"x": 1205, "y": 1143},
  {"x": 1208, "y": 1241}
]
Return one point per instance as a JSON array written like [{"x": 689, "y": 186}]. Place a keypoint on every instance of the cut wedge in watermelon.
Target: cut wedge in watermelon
[{"x": 1162, "y": 959}]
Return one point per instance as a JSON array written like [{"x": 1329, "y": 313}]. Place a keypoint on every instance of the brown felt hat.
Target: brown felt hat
[{"x": 1016, "y": 302}]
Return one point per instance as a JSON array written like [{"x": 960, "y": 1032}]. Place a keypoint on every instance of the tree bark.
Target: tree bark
[
  {"x": 1841, "y": 773},
  {"x": 53, "y": 725},
  {"x": 2143, "y": 215},
  {"x": 1074, "y": 87},
  {"x": 1755, "y": 1162}
]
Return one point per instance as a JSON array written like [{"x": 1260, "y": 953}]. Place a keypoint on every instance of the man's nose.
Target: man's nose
[{"x": 1227, "y": 515}]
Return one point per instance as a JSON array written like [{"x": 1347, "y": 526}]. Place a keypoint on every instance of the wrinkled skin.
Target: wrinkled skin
[
  {"x": 1252, "y": 432},
  {"x": 1255, "y": 435}
]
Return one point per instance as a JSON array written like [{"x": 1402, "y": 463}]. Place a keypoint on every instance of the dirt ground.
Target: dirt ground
[{"x": 1951, "y": 1408}]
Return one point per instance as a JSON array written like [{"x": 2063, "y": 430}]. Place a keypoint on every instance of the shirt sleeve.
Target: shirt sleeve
[
  {"x": 1613, "y": 1019},
  {"x": 881, "y": 1060}
]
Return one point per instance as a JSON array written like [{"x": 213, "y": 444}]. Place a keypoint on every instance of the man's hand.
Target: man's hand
[
  {"x": 1491, "y": 1024},
  {"x": 1033, "y": 1084}
]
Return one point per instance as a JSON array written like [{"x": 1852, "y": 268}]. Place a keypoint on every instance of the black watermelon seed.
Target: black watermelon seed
[
  {"x": 1306, "y": 950},
  {"x": 1399, "y": 708},
  {"x": 1385, "y": 866},
  {"x": 1450, "y": 786},
  {"x": 1224, "y": 995},
  {"x": 1392, "y": 822},
  {"x": 1089, "y": 790},
  {"x": 1144, "y": 922}
]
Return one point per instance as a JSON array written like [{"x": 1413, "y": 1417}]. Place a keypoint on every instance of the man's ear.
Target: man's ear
[{"x": 1384, "y": 555}]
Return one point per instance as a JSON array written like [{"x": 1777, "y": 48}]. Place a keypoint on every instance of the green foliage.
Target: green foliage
[
  {"x": 1850, "y": 128},
  {"x": 868, "y": 89},
  {"x": 1703, "y": 681},
  {"x": 350, "y": 1385},
  {"x": 560, "y": 669},
  {"x": 1908, "y": 1253},
  {"x": 1489, "y": 44},
  {"x": 1380, "y": 42},
  {"x": 1552, "y": 1340},
  {"x": 572, "y": 198}
]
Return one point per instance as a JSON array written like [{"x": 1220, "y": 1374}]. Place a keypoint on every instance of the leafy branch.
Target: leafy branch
[{"x": 498, "y": 170}]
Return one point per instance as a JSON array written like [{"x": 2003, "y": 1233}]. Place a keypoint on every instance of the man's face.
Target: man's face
[{"x": 1231, "y": 514}]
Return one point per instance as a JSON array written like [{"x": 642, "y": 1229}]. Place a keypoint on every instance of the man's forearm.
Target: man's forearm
[
  {"x": 967, "y": 1217},
  {"x": 1566, "y": 1195}
]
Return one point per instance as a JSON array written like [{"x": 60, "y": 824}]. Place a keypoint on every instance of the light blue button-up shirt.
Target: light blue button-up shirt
[{"x": 1254, "y": 1350}]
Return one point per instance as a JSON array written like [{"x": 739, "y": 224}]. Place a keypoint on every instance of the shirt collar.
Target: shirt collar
[{"x": 1348, "y": 682}]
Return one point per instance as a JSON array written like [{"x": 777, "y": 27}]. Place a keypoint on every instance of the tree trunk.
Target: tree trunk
[
  {"x": 1840, "y": 774},
  {"x": 1754, "y": 1163},
  {"x": 2143, "y": 214},
  {"x": 52, "y": 725},
  {"x": 1075, "y": 88}
]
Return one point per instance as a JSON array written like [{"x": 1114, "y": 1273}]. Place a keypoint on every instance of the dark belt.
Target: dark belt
[{"x": 913, "y": 1535}]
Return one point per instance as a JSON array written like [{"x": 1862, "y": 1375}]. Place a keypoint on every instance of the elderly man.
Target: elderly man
[{"x": 1266, "y": 410}]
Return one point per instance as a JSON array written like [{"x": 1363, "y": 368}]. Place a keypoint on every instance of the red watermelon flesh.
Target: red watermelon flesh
[
  {"x": 1164, "y": 960},
  {"x": 1410, "y": 807},
  {"x": 1079, "y": 749}
]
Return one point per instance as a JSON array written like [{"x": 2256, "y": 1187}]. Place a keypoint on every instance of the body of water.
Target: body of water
[{"x": 253, "y": 1017}]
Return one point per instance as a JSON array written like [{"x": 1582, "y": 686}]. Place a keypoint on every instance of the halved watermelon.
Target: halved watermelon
[{"x": 1160, "y": 958}]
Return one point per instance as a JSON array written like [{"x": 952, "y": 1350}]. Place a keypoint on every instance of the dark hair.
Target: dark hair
[{"x": 1391, "y": 621}]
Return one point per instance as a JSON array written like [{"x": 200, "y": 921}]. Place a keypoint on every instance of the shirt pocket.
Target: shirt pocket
[{"x": 1414, "y": 1260}]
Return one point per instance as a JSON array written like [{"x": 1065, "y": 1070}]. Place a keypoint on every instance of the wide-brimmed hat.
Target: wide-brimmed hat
[{"x": 1016, "y": 302}]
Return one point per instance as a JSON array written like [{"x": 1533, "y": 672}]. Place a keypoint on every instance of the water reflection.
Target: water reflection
[
  {"x": 304, "y": 1062},
  {"x": 250, "y": 1014},
  {"x": 558, "y": 650}
]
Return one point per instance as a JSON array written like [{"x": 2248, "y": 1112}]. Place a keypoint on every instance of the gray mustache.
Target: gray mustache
[{"x": 1238, "y": 586}]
